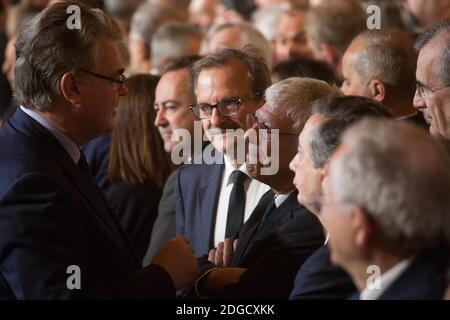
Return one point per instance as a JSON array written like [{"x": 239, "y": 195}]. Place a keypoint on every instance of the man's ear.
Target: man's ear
[
  {"x": 323, "y": 171},
  {"x": 69, "y": 89},
  {"x": 363, "y": 228},
  {"x": 377, "y": 90}
]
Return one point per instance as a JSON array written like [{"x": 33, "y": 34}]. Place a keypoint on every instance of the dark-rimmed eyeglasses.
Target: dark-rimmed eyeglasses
[
  {"x": 227, "y": 107},
  {"x": 423, "y": 91},
  {"x": 118, "y": 82}
]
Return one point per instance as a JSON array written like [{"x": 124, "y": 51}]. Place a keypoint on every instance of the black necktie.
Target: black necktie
[{"x": 236, "y": 206}]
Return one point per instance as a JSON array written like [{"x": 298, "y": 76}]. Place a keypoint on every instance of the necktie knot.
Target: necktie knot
[{"x": 238, "y": 177}]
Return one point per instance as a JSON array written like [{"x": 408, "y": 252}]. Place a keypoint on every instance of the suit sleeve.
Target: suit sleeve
[
  {"x": 43, "y": 232},
  {"x": 278, "y": 264},
  {"x": 164, "y": 227}
]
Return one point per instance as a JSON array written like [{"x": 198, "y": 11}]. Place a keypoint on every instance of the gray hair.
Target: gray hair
[
  {"x": 266, "y": 19},
  {"x": 388, "y": 55},
  {"x": 335, "y": 22},
  {"x": 430, "y": 34},
  {"x": 258, "y": 72},
  {"x": 147, "y": 18},
  {"x": 339, "y": 113},
  {"x": 293, "y": 97},
  {"x": 171, "y": 40},
  {"x": 47, "y": 49},
  {"x": 400, "y": 176},
  {"x": 249, "y": 35}
]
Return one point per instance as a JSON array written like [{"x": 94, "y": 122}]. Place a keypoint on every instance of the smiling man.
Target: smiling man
[
  {"x": 214, "y": 200},
  {"x": 433, "y": 78}
]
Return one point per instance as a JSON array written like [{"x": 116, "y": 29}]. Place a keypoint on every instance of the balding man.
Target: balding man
[{"x": 380, "y": 64}]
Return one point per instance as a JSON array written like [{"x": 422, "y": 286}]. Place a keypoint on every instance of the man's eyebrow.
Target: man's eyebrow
[
  {"x": 420, "y": 84},
  {"x": 169, "y": 101}
]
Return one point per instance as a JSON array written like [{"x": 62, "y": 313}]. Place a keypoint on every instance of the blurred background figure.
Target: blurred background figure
[
  {"x": 380, "y": 64},
  {"x": 138, "y": 165},
  {"x": 330, "y": 27},
  {"x": 236, "y": 35},
  {"x": 122, "y": 11},
  {"x": 421, "y": 14},
  {"x": 173, "y": 40},
  {"x": 147, "y": 18},
  {"x": 304, "y": 68},
  {"x": 291, "y": 35},
  {"x": 180, "y": 7}
]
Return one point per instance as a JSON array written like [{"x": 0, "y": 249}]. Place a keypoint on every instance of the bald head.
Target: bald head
[{"x": 380, "y": 64}]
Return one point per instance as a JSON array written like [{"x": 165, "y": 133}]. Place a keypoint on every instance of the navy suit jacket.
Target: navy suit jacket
[
  {"x": 197, "y": 193},
  {"x": 424, "y": 279},
  {"x": 52, "y": 217},
  {"x": 319, "y": 279}
]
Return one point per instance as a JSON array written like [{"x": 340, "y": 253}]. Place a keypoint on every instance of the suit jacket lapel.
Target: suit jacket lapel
[
  {"x": 208, "y": 196},
  {"x": 279, "y": 216},
  {"x": 249, "y": 228},
  {"x": 88, "y": 191}
]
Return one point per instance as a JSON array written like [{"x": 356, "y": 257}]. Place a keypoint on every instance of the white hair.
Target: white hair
[
  {"x": 293, "y": 97},
  {"x": 266, "y": 19},
  {"x": 401, "y": 178}
]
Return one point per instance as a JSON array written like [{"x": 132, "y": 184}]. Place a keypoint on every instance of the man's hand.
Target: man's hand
[
  {"x": 212, "y": 284},
  {"x": 223, "y": 254},
  {"x": 177, "y": 258}
]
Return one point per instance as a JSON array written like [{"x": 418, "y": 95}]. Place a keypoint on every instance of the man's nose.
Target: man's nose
[{"x": 160, "y": 120}]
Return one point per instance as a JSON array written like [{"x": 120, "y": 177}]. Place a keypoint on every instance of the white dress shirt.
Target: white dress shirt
[
  {"x": 386, "y": 279},
  {"x": 69, "y": 145},
  {"x": 254, "y": 191}
]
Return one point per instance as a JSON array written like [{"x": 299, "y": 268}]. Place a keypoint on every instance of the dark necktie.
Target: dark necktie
[{"x": 236, "y": 206}]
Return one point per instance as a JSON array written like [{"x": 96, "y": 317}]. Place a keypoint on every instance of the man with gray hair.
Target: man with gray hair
[
  {"x": 297, "y": 232},
  {"x": 380, "y": 64},
  {"x": 331, "y": 26},
  {"x": 147, "y": 18},
  {"x": 56, "y": 219},
  {"x": 433, "y": 78},
  {"x": 236, "y": 35},
  {"x": 173, "y": 40},
  {"x": 388, "y": 221}
]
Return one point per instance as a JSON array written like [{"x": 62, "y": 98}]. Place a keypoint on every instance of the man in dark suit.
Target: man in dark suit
[
  {"x": 388, "y": 220},
  {"x": 216, "y": 197},
  {"x": 280, "y": 234},
  {"x": 318, "y": 278},
  {"x": 380, "y": 64},
  {"x": 59, "y": 239},
  {"x": 173, "y": 96}
]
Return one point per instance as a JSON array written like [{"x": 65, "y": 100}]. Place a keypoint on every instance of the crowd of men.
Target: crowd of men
[{"x": 318, "y": 163}]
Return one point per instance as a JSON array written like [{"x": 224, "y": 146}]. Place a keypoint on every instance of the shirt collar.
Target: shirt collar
[
  {"x": 386, "y": 280},
  {"x": 229, "y": 169},
  {"x": 69, "y": 145}
]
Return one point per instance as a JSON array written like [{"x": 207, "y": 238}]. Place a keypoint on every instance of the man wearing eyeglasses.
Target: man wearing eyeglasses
[
  {"x": 59, "y": 239},
  {"x": 433, "y": 78},
  {"x": 280, "y": 234},
  {"x": 214, "y": 200}
]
